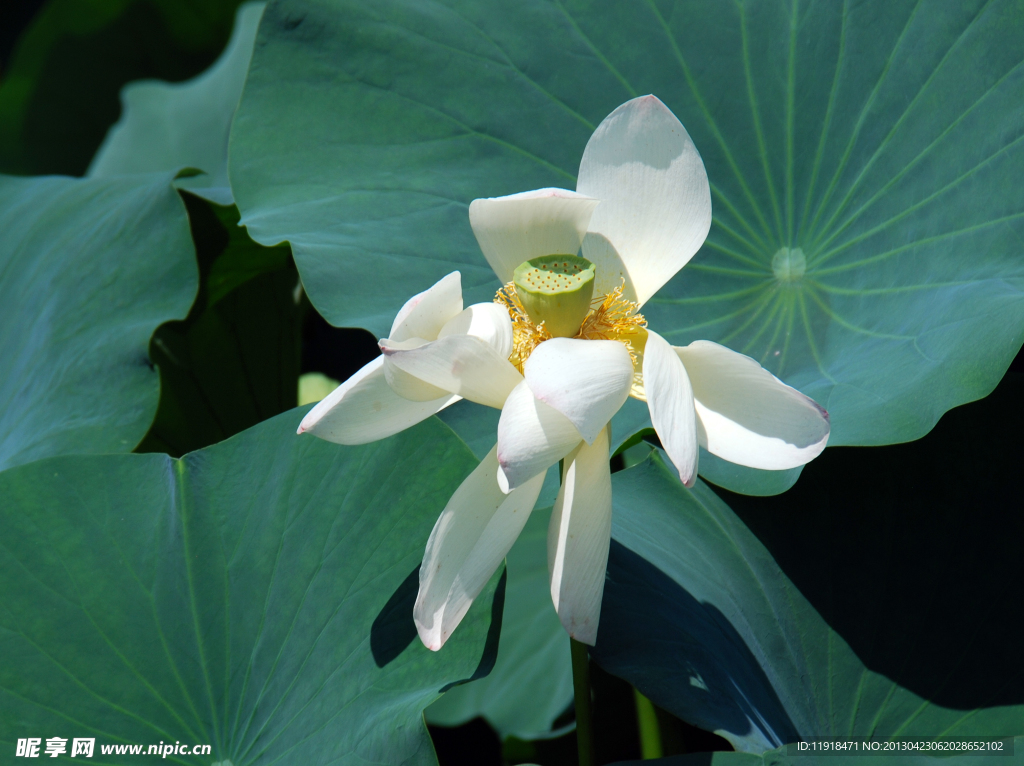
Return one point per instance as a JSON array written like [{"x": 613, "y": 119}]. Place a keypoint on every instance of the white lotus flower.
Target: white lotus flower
[{"x": 559, "y": 362}]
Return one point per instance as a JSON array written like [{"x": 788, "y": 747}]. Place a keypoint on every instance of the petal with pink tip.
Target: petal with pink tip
[
  {"x": 655, "y": 209},
  {"x": 470, "y": 539},
  {"x": 364, "y": 409},
  {"x": 749, "y": 416},
  {"x": 578, "y": 539}
]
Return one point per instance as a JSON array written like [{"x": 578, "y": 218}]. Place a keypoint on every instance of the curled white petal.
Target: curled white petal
[
  {"x": 364, "y": 409},
  {"x": 471, "y": 537},
  {"x": 585, "y": 380},
  {"x": 424, "y": 314},
  {"x": 402, "y": 383},
  {"x": 670, "y": 400},
  {"x": 487, "y": 321},
  {"x": 655, "y": 209},
  {"x": 530, "y": 224},
  {"x": 462, "y": 364},
  {"x": 531, "y": 437},
  {"x": 749, "y": 416},
  {"x": 578, "y": 539}
]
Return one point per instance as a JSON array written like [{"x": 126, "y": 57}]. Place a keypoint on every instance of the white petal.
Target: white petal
[
  {"x": 402, "y": 383},
  {"x": 531, "y": 437},
  {"x": 488, "y": 321},
  {"x": 424, "y": 314},
  {"x": 655, "y": 199},
  {"x": 578, "y": 539},
  {"x": 364, "y": 409},
  {"x": 462, "y": 364},
  {"x": 469, "y": 541},
  {"x": 751, "y": 417},
  {"x": 670, "y": 400},
  {"x": 522, "y": 226},
  {"x": 585, "y": 380}
]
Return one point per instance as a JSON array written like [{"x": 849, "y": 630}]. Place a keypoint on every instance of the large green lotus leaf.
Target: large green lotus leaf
[
  {"x": 165, "y": 126},
  {"x": 90, "y": 268},
  {"x": 235, "y": 360},
  {"x": 881, "y": 597},
  {"x": 1012, "y": 753},
  {"x": 864, "y": 160},
  {"x": 255, "y": 596},
  {"x": 475, "y": 424},
  {"x": 59, "y": 95},
  {"x": 531, "y": 684}
]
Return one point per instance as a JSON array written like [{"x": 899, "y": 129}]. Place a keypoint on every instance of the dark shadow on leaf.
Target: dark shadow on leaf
[
  {"x": 490, "y": 654},
  {"x": 393, "y": 629},
  {"x": 234, "y": 361},
  {"x": 713, "y": 680}
]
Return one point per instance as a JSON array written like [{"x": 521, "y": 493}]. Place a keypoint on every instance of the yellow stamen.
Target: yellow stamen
[
  {"x": 611, "y": 317},
  {"x": 526, "y": 336}
]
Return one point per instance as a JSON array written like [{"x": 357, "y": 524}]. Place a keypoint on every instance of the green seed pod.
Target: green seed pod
[{"x": 556, "y": 290}]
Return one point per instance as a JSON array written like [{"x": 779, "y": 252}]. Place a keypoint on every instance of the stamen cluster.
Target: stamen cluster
[{"x": 611, "y": 317}]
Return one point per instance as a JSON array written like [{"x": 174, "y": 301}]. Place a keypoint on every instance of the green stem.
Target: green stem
[
  {"x": 581, "y": 688},
  {"x": 647, "y": 722}
]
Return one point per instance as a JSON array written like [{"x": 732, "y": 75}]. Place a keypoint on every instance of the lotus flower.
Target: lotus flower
[{"x": 559, "y": 351}]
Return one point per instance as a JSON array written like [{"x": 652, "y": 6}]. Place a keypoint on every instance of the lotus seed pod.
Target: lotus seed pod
[{"x": 556, "y": 290}]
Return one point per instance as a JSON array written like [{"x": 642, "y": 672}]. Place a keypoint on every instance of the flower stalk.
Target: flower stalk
[
  {"x": 581, "y": 691},
  {"x": 647, "y": 724}
]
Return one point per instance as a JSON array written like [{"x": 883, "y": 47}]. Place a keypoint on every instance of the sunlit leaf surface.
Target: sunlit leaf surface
[
  {"x": 864, "y": 161},
  {"x": 255, "y": 596},
  {"x": 88, "y": 270}
]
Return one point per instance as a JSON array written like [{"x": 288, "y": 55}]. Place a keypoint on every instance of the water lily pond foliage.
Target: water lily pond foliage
[{"x": 544, "y": 382}]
